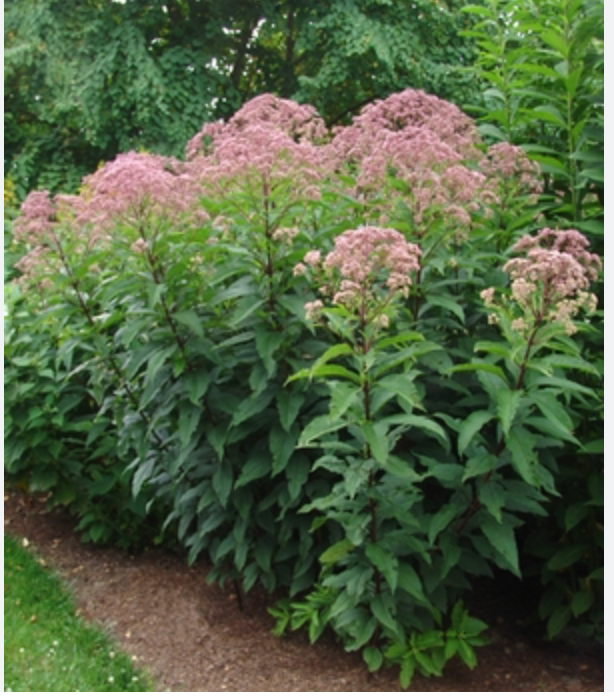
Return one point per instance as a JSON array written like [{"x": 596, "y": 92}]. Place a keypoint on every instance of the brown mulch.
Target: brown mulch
[{"x": 190, "y": 636}]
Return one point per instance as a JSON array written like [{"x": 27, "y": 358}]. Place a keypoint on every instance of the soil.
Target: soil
[{"x": 190, "y": 636}]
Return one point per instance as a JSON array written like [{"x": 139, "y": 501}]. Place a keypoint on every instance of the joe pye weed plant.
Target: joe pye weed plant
[{"x": 275, "y": 353}]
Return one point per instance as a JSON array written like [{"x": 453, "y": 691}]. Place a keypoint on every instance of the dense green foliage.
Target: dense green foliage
[
  {"x": 85, "y": 81},
  {"x": 545, "y": 77},
  {"x": 46, "y": 647}
]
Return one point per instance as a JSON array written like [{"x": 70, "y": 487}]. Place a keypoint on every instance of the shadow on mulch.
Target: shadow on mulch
[{"x": 193, "y": 637}]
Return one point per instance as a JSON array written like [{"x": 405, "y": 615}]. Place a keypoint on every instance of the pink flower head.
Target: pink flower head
[
  {"x": 267, "y": 140},
  {"x": 550, "y": 281},
  {"x": 367, "y": 259},
  {"x": 301, "y": 122},
  {"x": 36, "y": 218},
  {"x": 408, "y": 125},
  {"x": 508, "y": 162},
  {"x": 136, "y": 185}
]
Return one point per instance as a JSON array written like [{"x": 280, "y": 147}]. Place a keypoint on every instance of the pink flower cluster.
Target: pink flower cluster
[
  {"x": 36, "y": 220},
  {"x": 447, "y": 132},
  {"x": 550, "y": 282},
  {"x": 134, "y": 187},
  {"x": 425, "y": 142},
  {"x": 509, "y": 166},
  {"x": 365, "y": 270},
  {"x": 299, "y": 122},
  {"x": 269, "y": 139}
]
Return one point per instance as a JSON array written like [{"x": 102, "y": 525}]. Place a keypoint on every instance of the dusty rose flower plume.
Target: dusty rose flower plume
[
  {"x": 365, "y": 271},
  {"x": 549, "y": 283},
  {"x": 268, "y": 140},
  {"x": 424, "y": 142},
  {"x": 136, "y": 188}
]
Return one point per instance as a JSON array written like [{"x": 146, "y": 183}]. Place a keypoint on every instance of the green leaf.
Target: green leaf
[
  {"x": 336, "y": 552},
  {"x": 403, "y": 386},
  {"x": 492, "y": 496},
  {"x": 470, "y": 427},
  {"x": 479, "y": 465},
  {"x": 375, "y": 436},
  {"x": 142, "y": 473},
  {"x": 252, "y": 405},
  {"x": 256, "y": 467},
  {"x": 408, "y": 668},
  {"x": 103, "y": 485},
  {"x": 196, "y": 382},
  {"x": 541, "y": 425},
  {"x": 418, "y": 422},
  {"x": 385, "y": 562},
  {"x": 332, "y": 353},
  {"x": 556, "y": 40},
  {"x": 282, "y": 445},
  {"x": 156, "y": 362},
  {"x": 550, "y": 113},
  {"x": 467, "y": 654},
  {"x": 575, "y": 514},
  {"x": 42, "y": 479},
  {"x": 581, "y": 601},
  {"x": 343, "y": 396},
  {"x": 409, "y": 581},
  {"x": 222, "y": 482},
  {"x": 381, "y": 612},
  {"x": 189, "y": 417},
  {"x": 563, "y": 384},
  {"x": 554, "y": 412},
  {"x": 558, "y": 620},
  {"x": 372, "y": 657},
  {"x": 507, "y": 406},
  {"x": 479, "y": 367},
  {"x": 267, "y": 344},
  {"x": 400, "y": 468},
  {"x": 356, "y": 476},
  {"x": 520, "y": 443},
  {"x": 501, "y": 536},
  {"x": 440, "y": 521},
  {"x": 399, "y": 339},
  {"x": 289, "y": 404},
  {"x": 190, "y": 319},
  {"x": 334, "y": 371},
  {"x": 567, "y": 556},
  {"x": 319, "y": 426},
  {"x": 443, "y": 302}
]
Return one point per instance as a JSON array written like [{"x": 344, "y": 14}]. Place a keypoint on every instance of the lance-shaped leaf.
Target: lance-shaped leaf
[
  {"x": 377, "y": 439},
  {"x": 470, "y": 427},
  {"x": 507, "y": 406},
  {"x": 500, "y": 535},
  {"x": 385, "y": 562},
  {"x": 318, "y": 427},
  {"x": 520, "y": 443}
]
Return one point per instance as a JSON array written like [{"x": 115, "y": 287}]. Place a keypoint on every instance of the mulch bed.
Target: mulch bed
[{"x": 191, "y": 636}]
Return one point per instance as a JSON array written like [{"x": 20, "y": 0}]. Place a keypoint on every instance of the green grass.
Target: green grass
[{"x": 46, "y": 646}]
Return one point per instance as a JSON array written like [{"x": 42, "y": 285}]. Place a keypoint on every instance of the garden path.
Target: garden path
[{"x": 193, "y": 637}]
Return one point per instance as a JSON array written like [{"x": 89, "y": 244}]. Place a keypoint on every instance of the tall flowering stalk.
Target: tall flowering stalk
[
  {"x": 361, "y": 285},
  {"x": 265, "y": 163},
  {"x": 550, "y": 282}
]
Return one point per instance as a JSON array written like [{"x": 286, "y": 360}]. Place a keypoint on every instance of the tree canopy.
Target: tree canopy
[{"x": 87, "y": 79}]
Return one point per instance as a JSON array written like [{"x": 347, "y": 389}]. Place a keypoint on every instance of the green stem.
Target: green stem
[
  {"x": 74, "y": 283},
  {"x": 475, "y": 504}
]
